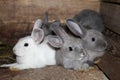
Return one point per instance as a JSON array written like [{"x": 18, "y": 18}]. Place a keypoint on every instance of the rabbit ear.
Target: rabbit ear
[
  {"x": 37, "y": 24},
  {"x": 45, "y": 20},
  {"x": 37, "y": 35},
  {"x": 58, "y": 30},
  {"x": 75, "y": 28},
  {"x": 55, "y": 41}
]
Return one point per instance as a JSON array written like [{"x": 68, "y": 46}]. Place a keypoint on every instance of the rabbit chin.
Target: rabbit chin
[
  {"x": 96, "y": 49},
  {"x": 19, "y": 54}
]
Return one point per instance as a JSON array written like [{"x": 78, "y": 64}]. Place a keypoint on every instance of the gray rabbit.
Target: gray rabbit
[
  {"x": 90, "y": 19},
  {"x": 46, "y": 25},
  {"x": 70, "y": 52},
  {"x": 93, "y": 41}
]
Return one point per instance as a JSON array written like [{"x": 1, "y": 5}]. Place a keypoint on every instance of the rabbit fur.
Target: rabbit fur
[
  {"x": 33, "y": 51},
  {"x": 70, "y": 52},
  {"x": 90, "y": 19},
  {"x": 93, "y": 41}
]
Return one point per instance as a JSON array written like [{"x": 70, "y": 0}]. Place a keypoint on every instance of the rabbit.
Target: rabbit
[
  {"x": 93, "y": 41},
  {"x": 90, "y": 19},
  {"x": 33, "y": 51},
  {"x": 70, "y": 53},
  {"x": 45, "y": 25}
]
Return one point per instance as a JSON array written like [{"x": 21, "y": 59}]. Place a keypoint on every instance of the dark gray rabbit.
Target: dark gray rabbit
[
  {"x": 70, "y": 52},
  {"x": 93, "y": 41},
  {"x": 46, "y": 25},
  {"x": 90, "y": 20}
]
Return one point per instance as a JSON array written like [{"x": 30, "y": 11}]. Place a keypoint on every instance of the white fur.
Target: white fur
[
  {"x": 33, "y": 56},
  {"x": 37, "y": 54}
]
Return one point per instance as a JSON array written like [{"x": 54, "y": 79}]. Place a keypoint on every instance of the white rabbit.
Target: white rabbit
[{"x": 33, "y": 51}]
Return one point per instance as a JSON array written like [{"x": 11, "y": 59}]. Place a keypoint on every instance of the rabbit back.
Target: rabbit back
[{"x": 90, "y": 20}]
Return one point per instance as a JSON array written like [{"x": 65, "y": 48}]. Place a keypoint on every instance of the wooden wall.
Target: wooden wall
[
  {"x": 111, "y": 13},
  {"x": 113, "y": 1},
  {"x": 17, "y": 16},
  {"x": 110, "y": 61},
  {"x": 30, "y": 10}
]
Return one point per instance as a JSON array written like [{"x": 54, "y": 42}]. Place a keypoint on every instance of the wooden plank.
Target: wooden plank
[
  {"x": 29, "y": 10},
  {"x": 116, "y": 1},
  {"x": 110, "y": 62},
  {"x": 111, "y": 14},
  {"x": 52, "y": 73},
  {"x": 111, "y": 66}
]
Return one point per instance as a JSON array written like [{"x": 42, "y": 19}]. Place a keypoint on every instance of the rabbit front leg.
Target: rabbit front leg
[
  {"x": 88, "y": 65},
  {"x": 77, "y": 65},
  {"x": 19, "y": 67},
  {"x": 11, "y": 66},
  {"x": 68, "y": 63},
  {"x": 80, "y": 66},
  {"x": 15, "y": 66},
  {"x": 85, "y": 67},
  {"x": 8, "y": 65},
  {"x": 74, "y": 64}
]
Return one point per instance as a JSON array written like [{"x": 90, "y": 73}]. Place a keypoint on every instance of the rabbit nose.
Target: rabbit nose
[{"x": 104, "y": 45}]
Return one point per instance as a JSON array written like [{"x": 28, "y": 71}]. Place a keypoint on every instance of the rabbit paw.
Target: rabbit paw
[
  {"x": 14, "y": 68},
  {"x": 8, "y": 65},
  {"x": 85, "y": 67},
  {"x": 77, "y": 68},
  {"x": 18, "y": 67}
]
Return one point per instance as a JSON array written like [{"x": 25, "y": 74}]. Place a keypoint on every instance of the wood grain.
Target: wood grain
[
  {"x": 111, "y": 14},
  {"x": 116, "y": 1},
  {"x": 29, "y": 10}
]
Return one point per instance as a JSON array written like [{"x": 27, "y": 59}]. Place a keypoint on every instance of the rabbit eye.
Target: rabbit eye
[
  {"x": 26, "y": 44},
  {"x": 70, "y": 49},
  {"x": 93, "y": 39}
]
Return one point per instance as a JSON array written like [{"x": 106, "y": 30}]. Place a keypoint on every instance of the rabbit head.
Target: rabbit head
[
  {"x": 26, "y": 44},
  {"x": 91, "y": 39}
]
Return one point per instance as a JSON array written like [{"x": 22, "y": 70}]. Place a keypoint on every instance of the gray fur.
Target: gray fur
[
  {"x": 71, "y": 53},
  {"x": 93, "y": 41},
  {"x": 90, "y": 20},
  {"x": 46, "y": 25}
]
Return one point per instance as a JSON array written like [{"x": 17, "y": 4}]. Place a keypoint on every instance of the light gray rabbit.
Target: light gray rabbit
[
  {"x": 70, "y": 52},
  {"x": 93, "y": 41},
  {"x": 90, "y": 20}
]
